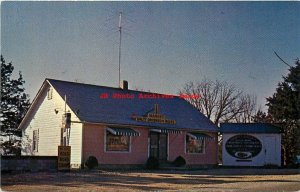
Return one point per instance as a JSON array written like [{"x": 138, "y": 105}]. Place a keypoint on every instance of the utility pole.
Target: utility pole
[{"x": 120, "y": 31}]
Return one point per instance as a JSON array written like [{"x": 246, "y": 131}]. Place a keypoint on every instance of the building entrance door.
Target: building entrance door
[
  {"x": 271, "y": 151},
  {"x": 159, "y": 145}
]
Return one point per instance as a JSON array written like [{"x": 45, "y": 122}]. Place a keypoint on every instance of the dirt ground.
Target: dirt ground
[{"x": 125, "y": 181}]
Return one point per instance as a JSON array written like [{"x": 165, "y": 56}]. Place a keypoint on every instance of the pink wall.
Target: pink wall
[
  {"x": 177, "y": 148},
  {"x": 93, "y": 144}
]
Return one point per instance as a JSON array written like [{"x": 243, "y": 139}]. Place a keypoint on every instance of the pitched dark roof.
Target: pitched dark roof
[
  {"x": 249, "y": 128},
  {"x": 84, "y": 100}
]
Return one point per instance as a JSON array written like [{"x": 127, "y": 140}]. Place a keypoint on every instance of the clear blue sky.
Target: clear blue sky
[{"x": 165, "y": 44}]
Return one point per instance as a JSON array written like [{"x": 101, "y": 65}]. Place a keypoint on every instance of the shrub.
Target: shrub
[
  {"x": 91, "y": 162},
  {"x": 179, "y": 161},
  {"x": 152, "y": 163}
]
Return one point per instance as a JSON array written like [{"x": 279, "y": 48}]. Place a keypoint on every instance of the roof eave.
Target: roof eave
[
  {"x": 32, "y": 105},
  {"x": 63, "y": 99},
  {"x": 142, "y": 126}
]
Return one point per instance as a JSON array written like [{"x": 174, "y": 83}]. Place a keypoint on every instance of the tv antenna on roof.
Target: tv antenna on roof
[{"x": 120, "y": 41}]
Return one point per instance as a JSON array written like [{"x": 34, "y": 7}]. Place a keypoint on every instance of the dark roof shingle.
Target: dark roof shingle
[{"x": 85, "y": 101}]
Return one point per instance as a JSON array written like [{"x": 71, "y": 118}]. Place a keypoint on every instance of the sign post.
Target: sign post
[
  {"x": 64, "y": 157},
  {"x": 64, "y": 150}
]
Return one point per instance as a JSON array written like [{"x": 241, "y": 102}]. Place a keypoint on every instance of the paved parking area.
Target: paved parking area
[{"x": 200, "y": 180}]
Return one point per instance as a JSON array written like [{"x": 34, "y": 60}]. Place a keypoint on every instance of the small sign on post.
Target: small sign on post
[{"x": 64, "y": 157}]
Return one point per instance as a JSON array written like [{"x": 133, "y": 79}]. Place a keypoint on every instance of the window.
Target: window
[
  {"x": 117, "y": 142},
  {"x": 35, "y": 140},
  {"x": 50, "y": 93},
  {"x": 194, "y": 145}
]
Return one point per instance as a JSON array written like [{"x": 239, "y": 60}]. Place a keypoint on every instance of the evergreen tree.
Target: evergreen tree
[
  {"x": 284, "y": 107},
  {"x": 262, "y": 117},
  {"x": 14, "y": 105}
]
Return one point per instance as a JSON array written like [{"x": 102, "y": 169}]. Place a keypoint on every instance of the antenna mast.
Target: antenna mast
[{"x": 120, "y": 30}]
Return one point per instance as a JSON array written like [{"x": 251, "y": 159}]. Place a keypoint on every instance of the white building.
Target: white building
[{"x": 251, "y": 144}]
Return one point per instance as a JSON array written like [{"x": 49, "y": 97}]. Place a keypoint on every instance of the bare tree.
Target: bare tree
[
  {"x": 248, "y": 105},
  {"x": 220, "y": 101}
]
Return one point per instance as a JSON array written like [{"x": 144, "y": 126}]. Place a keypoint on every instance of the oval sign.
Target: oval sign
[{"x": 243, "y": 146}]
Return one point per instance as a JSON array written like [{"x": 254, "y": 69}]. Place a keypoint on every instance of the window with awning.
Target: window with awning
[
  {"x": 173, "y": 131},
  {"x": 118, "y": 139},
  {"x": 195, "y": 142},
  {"x": 200, "y": 136},
  {"x": 123, "y": 131}
]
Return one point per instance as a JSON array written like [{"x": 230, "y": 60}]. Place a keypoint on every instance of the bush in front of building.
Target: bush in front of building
[
  {"x": 152, "y": 163},
  {"x": 179, "y": 161},
  {"x": 91, "y": 162}
]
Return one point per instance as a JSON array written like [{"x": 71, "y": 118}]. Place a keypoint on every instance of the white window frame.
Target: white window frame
[
  {"x": 188, "y": 153},
  {"x": 35, "y": 139},
  {"x": 105, "y": 135},
  {"x": 50, "y": 93}
]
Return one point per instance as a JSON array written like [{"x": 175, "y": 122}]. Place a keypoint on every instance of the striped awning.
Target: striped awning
[
  {"x": 123, "y": 131},
  {"x": 173, "y": 131},
  {"x": 200, "y": 136}
]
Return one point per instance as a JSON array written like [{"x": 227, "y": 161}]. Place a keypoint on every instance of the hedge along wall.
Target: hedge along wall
[{"x": 28, "y": 163}]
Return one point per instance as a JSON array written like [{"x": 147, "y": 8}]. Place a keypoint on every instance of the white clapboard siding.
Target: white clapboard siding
[
  {"x": 44, "y": 119},
  {"x": 76, "y": 144},
  {"x": 270, "y": 153}
]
